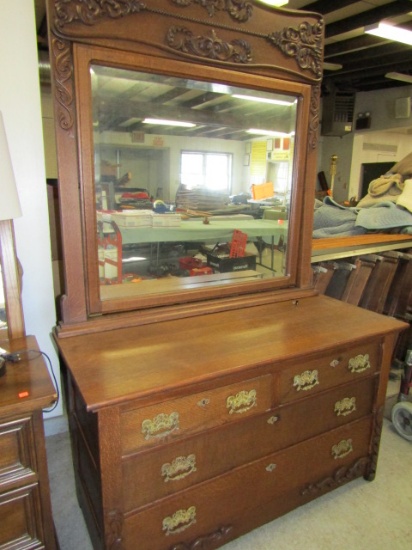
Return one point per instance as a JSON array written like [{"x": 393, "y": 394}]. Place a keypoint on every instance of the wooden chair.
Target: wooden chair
[
  {"x": 339, "y": 281},
  {"x": 358, "y": 279},
  {"x": 380, "y": 280},
  {"x": 322, "y": 275},
  {"x": 399, "y": 297}
]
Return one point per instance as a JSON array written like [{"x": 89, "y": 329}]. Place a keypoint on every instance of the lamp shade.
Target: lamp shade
[{"x": 9, "y": 200}]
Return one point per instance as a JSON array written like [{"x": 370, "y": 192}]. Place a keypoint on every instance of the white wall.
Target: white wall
[
  {"x": 388, "y": 138},
  {"x": 20, "y": 104}
]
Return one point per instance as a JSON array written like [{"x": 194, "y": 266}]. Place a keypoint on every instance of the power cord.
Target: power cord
[{"x": 32, "y": 354}]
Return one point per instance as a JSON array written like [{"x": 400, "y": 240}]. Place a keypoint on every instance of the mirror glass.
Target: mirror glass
[
  {"x": 193, "y": 182},
  {"x": 3, "y": 316}
]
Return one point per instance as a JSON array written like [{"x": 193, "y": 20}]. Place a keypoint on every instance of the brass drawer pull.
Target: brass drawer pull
[
  {"x": 360, "y": 363},
  {"x": 181, "y": 520},
  {"x": 162, "y": 425},
  {"x": 273, "y": 419},
  {"x": 179, "y": 468},
  {"x": 241, "y": 402},
  {"x": 270, "y": 467},
  {"x": 345, "y": 406},
  {"x": 203, "y": 402},
  {"x": 342, "y": 449},
  {"x": 306, "y": 381},
  {"x": 335, "y": 363}
]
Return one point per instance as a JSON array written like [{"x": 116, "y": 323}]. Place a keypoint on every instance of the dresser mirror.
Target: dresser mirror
[
  {"x": 191, "y": 181},
  {"x": 192, "y": 167}
]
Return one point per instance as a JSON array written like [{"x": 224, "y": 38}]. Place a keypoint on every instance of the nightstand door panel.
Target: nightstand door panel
[{"x": 20, "y": 519}]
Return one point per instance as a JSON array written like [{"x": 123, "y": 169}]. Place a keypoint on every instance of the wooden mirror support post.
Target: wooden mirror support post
[{"x": 9, "y": 209}]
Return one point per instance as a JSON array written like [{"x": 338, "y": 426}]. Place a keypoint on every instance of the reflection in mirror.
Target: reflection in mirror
[
  {"x": 192, "y": 182},
  {"x": 3, "y": 317}
]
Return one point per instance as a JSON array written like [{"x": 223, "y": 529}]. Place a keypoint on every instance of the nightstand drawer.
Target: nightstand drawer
[
  {"x": 16, "y": 441},
  {"x": 171, "y": 419},
  {"x": 152, "y": 475},
  {"x": 21, "y": 519},
  {"x": 328, "y": 370}
]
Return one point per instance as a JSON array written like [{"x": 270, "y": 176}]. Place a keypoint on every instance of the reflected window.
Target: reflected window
[{"x": 208, "y": 170}]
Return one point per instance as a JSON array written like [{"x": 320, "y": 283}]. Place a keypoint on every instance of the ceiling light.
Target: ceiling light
[
  {"x": 390, "y": 32},
  {"x": 269, "y": 133},
  {"x": 399, "y": 76},
  {"x": 276, "y": 3},
  {"x": 332, "y": 66},
  {"x": 164, "y": 122},
  {"x": 264, "y": 100}
]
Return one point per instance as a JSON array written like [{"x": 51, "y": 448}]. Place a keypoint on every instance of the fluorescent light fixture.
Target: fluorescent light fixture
[
  {"x": 390, "y": 32},
  {"x": 264, "y": 100},
  {"x": 133, "y": 259},
  {"x": 399, "y": 76},
  {"x": 332, "y": 66},
  {"x": 270, "y": 133},
  {"x": 276, "y": 3},
  {"x": 164, "y": 122}
]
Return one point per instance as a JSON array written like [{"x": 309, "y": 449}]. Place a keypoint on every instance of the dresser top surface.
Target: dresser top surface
[
  {"x": 161, "y": 358},
  {"x": 26, "y": 386}
]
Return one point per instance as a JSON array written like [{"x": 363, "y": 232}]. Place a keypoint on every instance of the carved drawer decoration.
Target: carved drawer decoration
[
  {"x": 306, "y": 381},
  {"x": 360, "y": 363},
  {"x": 180, "y": 521},
  {"x": 241, "y": 402},
  {"x": 342, "y": 449},
  {"x": 345, "y": 406},
  {"x": 161, "y": 426},
  {"x": 181, "y": 467}
]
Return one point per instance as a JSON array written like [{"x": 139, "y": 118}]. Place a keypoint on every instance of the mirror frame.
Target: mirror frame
[{"x": 280, "y": 51}]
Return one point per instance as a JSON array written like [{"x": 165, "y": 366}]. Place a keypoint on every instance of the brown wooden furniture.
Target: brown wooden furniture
[
  {"x": 184, "y": 432},
  {"x": 25, "y": 509},
  {"x": 203, "y": 407}
]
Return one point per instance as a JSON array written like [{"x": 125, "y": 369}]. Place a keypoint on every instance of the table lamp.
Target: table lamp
[{"x": 9, "y": 209}]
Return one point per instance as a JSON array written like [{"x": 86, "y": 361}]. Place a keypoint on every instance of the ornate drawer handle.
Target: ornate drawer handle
[
  {"x": 181, "y": 520},
  {"x": 306, "y": 381},
  {"x": 342, "y": 449},
  {"x": 270, "y": 467},
  {"x": 179, "y": 468},
  {"x": 360, "y": 363},
  {"x": 241, "y": 402},
  {"x": 273, "y": 419},
  {"x": 162, "y": 425},
  {"x": 335, "y": 363},
  {"x": 203, "y": 402},
  {"x": 345, "y": 406}
]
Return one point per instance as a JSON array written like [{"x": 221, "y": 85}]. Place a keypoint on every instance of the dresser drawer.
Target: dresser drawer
[
  {"x": 21, "y": 519},
  {"x": 17, "y": 458},
  {"x": 172, "y": 419},
  {"x": 328, "y": 370},
  {"x": 151, "y": 475},
  {"x": 230, "y": 499}
]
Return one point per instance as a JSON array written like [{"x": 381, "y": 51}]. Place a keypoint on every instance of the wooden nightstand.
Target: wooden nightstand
[{"x": 25, "y": 508}]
